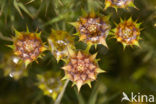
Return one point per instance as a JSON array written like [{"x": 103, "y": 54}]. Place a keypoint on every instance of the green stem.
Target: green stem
[{"x": 59, "y": 98}]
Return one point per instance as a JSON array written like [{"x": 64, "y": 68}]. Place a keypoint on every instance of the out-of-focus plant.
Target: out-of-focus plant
[
  {"x": 119, "y": 4},
  {"x": 50, "y": 83},
  {"x": 14, "y": 6},
  {"x": 12, "y": 67},
  {"x": 58, "y": 42}
]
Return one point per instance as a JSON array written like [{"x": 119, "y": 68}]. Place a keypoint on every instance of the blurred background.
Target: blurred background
[{"x": 129, "y": 70}]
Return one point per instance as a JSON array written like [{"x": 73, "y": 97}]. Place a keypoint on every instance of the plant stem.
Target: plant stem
[{"x": 59, "y": 98}]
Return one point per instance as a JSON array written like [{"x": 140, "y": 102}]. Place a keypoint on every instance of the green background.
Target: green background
[{"x": 129, "y": 70}]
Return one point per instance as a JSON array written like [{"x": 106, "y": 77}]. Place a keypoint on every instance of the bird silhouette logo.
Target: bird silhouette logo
[{"x": 125, "y": 97}]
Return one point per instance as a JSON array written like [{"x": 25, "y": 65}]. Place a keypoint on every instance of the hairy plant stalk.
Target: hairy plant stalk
[{"x": 59, "y": 98}]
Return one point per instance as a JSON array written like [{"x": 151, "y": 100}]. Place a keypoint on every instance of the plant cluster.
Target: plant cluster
[{"x": 93, "y": 29}]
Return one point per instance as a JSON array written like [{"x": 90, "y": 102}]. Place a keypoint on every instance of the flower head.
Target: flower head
[
  {"x": 93, "y": 29},
  {"x": 58, "y": 41},
  {"x": 12, "y": 67},
  {"x": 119, "y": 3},
  {"x": 81, "y": 69},
  {"x": 28, "y": 46},
  {"x": 127, "y": 32},
  {"x": 50, "y": 83}
]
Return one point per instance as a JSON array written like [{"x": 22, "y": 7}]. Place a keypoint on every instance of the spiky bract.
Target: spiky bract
[
  {"x": 81, "y": 69},
  {"x": 93, "y": 29},
  {"x": 28, "y": 46},
  {"x": 58, "y": 42},
  {"x": 50, "y": 83},
  {"x": 119, "y": 4},
  {"x": 128, "y": 32}
]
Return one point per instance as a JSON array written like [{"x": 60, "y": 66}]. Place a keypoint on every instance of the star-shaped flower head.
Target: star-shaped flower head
[
  {"x": 93, "y": 29},
  {"x": 28, "y": 46},
  {"x": 127, "y": 32},
  {"x": 58, "y": 42},
  {"x": 82, "y": 68},
  {"x": 119, "y": 4}
]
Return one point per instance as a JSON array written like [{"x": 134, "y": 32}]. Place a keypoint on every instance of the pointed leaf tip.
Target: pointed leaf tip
[
  {"x": 136, "y": 43},
  {"x": 65, "y": 77},
  {"x": 70, "y": 51},
  {"x": 79, "y": 85},
  {"x": 68, "y": 67},
  {"x": 124, "y": 46},
  {"x": 17, "y": 33},
  {"x": 89, "y": 84},
  {"x": 93, "y": 57},
  {"x": 27, "y": 29},
  {"x": 103, "y": 42},
  {"x": 100, "y": 70},
  {"x": 27, "y": 62},
  {"x": 75, "y": 24},
  {"x": 11, "y": 46},
  {"x": 73, "y": 84},
  {"x": 80, "y": 55}
]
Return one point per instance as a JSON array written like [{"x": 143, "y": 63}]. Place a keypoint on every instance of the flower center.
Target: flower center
[
  {"x": 127, "y": 32},
  {"x": 92, "y": 28},
  {"x": 29, "y": 45},
  {"x": 61, "y": 45},
  {"x": 80, "y": 67}
]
